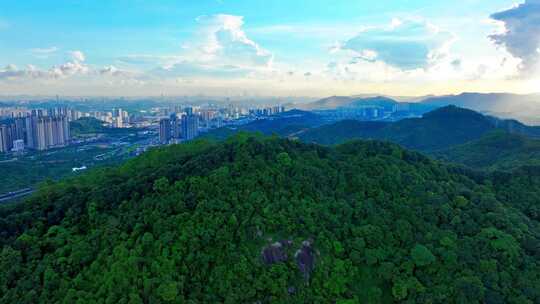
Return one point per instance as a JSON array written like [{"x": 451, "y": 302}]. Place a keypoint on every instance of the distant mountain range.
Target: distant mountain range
[{"x": 526, "y": 108}]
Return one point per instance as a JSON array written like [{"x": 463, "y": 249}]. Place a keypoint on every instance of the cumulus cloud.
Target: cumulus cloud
[
  {"x": 521, "y": 36},
  {"x": 407, "y": 44},
  {"x": 77, "y": 56},
  {"x": 12, "y": 72},
  {"x": 220, "y": 48},
  {"x": 75, "y": 66},
  {"x": 115, "y": 72},
  {"x": 224, "y": 39},
  {"x": 68, "y": 69}
]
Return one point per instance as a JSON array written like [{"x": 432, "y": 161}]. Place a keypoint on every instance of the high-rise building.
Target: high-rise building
[
  {"x": 5, "y": 139},
  {"x": 164, "y": 130},
  {"x": 190, "y": 126},
  {"x": 176, "y": 129},
  {"x": 31, "y": 131},
  {"x": 117, "y": 118},
  {"x": 18, "y": 130},
  {"x": 118, "y": 122}
]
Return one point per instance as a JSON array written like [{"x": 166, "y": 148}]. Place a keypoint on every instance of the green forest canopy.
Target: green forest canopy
[
  {"x": 269, "y": 220},
  {"x": 496, "y": 151}
]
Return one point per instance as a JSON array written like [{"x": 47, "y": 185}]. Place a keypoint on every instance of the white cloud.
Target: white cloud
[
  {"x": 12, "y": 72},
  {"x": 77, "y": 56},
  {"x": 521, "y": 34},
  {"x": 224, "y": 39},
  {"x": 44, "y": 52},
  {"x": 115, "y": 72},
  {"x": 410, "y": 52},
  {"x": 405, "y": 44},
  {"x": 75, "y": 66},
  {"x": 68, "y": 69},
  {"x": 220, "y": 48}
]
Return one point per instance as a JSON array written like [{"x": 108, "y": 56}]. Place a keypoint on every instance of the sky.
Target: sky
[{"x": 268, "y": 48}]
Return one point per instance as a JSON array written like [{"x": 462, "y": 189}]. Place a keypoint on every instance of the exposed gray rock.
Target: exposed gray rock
[
  {"x": 305, "y": 259},
  {"x": 275, "y": 253}
]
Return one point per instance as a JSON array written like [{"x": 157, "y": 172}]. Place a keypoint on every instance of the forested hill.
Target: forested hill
[
  {"x": 269, "y": 220},
  {"x": 439, "y": 129},
  {"x": 86, "y": 125},
  {"x": 497, "y": 150}
]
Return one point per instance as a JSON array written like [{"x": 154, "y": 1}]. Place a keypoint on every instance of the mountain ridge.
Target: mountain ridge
[
  {"x": 524, "y": 107},
  {"x": 435, "y": 130}
]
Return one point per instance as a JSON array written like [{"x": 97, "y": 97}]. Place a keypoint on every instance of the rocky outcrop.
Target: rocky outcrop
[{"x": 305, "y": 259}]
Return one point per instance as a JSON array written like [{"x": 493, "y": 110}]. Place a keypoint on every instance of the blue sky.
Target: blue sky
[{"x": 268, "y": 47}]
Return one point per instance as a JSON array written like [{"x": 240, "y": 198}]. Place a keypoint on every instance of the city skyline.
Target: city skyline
[{"x": 219, "y": 47}]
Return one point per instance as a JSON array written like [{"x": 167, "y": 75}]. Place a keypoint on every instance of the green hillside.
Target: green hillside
[
  {"x": 86, "y": 125},
  {"x": 268, "y": 220},
  {"x": 343, "y": 131},
  {"x": 440, "y": 128},
  {"x": 497, "y": 150}
]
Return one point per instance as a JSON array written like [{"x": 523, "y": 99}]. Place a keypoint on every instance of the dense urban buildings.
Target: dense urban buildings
[
  {"x": 37, "y": 130},
  {"x": 173, "y": 129},
  {"x": 42, "y": 129}
]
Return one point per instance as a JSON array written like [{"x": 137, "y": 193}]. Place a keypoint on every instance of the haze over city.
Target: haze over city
[{"x": 220, "y": 47}]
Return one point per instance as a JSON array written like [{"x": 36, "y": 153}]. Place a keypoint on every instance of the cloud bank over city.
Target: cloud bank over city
[{"x": 242, "y": 48}]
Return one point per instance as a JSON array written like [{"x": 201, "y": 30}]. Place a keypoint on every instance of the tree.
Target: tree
[{"x": 422, "y": 256}]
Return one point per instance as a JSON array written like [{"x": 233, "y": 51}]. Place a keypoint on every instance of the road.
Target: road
[{"x": 15, "y": 194}]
